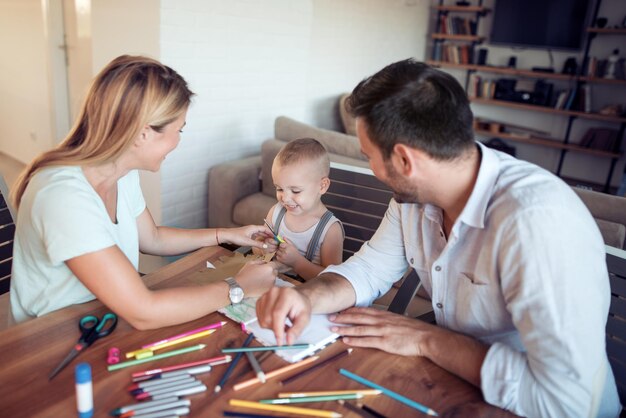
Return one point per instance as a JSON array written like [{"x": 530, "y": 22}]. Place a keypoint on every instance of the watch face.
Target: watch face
[{"x": 235, "y": 294}]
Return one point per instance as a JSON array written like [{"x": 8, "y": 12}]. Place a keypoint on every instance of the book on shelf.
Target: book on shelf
[
  {"x": 599, "y": 138},
  {"x": 561, "y": 98}
]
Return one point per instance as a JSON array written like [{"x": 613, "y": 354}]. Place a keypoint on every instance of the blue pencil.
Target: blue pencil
[
  {"x": 388, "y": 392},
  {"x": 232, "y": 365}
]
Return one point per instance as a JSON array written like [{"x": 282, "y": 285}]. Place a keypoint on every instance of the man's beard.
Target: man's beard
[{"x": 403, "y": 191}]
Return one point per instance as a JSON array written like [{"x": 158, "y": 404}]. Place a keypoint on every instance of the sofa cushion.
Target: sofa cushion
[
  {"x": 348, "y": 121},
  {"x": 252, "y": 209},
  {"x": 287, "y": 129},
  {"x": 612, "y": 233}
]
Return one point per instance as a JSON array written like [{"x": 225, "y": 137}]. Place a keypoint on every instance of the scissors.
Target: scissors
[
  {"x": 277, "y": 237},
  {"x": 92, "y": 328}
]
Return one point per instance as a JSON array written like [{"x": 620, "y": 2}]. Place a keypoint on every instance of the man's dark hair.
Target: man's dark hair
[{"x": 415, "y": 104}]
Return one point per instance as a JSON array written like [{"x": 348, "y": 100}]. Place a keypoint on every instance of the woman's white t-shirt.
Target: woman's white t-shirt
[{"x": 61, "y": 217}]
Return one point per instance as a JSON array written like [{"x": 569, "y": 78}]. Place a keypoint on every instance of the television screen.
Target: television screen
[{"x": 558, "y": 24}]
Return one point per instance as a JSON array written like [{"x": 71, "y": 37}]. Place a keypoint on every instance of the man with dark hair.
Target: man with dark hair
[{"x": 506, "y": 251}]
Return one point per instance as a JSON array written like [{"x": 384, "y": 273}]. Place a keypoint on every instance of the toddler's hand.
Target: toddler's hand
[{"x": 287, "y": 253}]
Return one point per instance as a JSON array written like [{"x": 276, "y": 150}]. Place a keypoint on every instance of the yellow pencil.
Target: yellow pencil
[
  {"x": 286, "y": 409},
  {"x": 275, "y": 373},
  {"x": 364, "y": 392},
  {"x": 200, "y": 334}
]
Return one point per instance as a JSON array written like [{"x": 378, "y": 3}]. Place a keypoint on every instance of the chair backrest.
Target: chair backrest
[
  {"x": 7, "y": 232},
  {"x": 616, "y": 324},
  {"x": 359, "y": 200}
]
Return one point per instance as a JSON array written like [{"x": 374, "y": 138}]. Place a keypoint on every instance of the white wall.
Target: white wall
[
  {"x": 26, "y": 119},
  {"x": 251, "y": 61}
]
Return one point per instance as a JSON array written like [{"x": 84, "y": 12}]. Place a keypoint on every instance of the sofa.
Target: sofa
[{"x": 241, "y": 192}]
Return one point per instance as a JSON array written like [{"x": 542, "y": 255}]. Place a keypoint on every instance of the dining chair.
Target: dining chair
[
  {"x": 7, "y": 232},
  {"x": 616, "y": 323}
]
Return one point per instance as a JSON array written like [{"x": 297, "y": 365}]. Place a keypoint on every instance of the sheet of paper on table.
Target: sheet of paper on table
[{"x": 317, "y": 333}]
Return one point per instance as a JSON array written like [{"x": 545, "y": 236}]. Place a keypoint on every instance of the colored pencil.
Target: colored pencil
[
  {"x": 372, "y": 411},
  {"x": 176, "y": 412},
  {"x": 266, "y": 348},
  {"x": 153, "y": 348},
  {"x": 213, "y": 361},
  {"x": 261, "y": 359},
  {"x": 307, "y": 399},
  {"x": 194, "y": 331},
  {"x": 316, "y": 366},
  {"x": 118, "y": 366},
  {"x": 155, "y": 408},
  {"x": 232, "y": 365},
  {"x": 357, "y": 410},
  {"x": 247, "y": 415},
  {"x": 364, "y": 392},
  {"x": 388, "y": 392},
  {"x": 141, "y": 405},
  {"x": 285, "y": 408},
  {"x": 256, "y": 367},
  {"x": 275, "y": 373}
]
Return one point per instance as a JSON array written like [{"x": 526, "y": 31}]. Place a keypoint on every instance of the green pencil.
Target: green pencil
[
  {"x": 156, "y": 357},
  {"x": 304, "y": 399},
  {"x": 266, "y": 348}
]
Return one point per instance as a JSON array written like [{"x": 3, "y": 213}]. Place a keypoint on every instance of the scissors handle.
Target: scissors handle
[{"x": 93, "y": 328}]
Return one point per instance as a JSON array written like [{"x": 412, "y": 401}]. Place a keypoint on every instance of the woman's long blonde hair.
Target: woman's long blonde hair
[{"x": 128, "y": 94}]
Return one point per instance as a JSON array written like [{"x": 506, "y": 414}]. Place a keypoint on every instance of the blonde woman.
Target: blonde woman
[{"x": 82, "y": 219}]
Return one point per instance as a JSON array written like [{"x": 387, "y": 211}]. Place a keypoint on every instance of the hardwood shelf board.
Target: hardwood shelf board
[
  {"x": 545, "y": 109},
  {"x": 469, "y": 38},
  {"x": 608, "y": 31},
  {"x": 463, "y": 9},
  {"x": 600, "y": 80},
  {"x": 526, "y": 73},
  {"x": 550, "y": 143}
]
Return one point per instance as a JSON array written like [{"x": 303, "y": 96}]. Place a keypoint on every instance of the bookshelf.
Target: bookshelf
[{"x": 574, "y": 106}]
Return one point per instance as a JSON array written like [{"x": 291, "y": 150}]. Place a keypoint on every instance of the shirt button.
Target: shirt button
[
  {"x": 437, "y": 268},
  {"x": 439, "y": 305},
  {"x": 411, "y": 261}
]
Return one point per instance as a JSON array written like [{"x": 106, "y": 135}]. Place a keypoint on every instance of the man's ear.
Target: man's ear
[
  {"x": 403, "y": 159},
  {"x": 324, "y": 185}
]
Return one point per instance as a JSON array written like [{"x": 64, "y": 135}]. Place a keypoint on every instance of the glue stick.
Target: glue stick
[{"x": 84, "y": 391}]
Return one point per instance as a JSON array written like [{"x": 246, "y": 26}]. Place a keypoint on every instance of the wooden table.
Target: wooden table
[{"x": 29, "y": 352}]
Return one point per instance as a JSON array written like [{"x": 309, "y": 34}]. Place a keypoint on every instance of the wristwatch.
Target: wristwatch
[{"x": 235, "y": 293}]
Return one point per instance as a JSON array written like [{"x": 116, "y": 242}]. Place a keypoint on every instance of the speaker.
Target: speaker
[
  {"x": 542, "y": 95},
  {"x": 570, "y": 66},
  {"x": 512, "y": 62},
  {"x": 481, "y": 58},
  {"x": 505, "y": 88}
]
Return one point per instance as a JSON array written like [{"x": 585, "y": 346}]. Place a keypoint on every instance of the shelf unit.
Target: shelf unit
[{"x": 563, "y": 144}]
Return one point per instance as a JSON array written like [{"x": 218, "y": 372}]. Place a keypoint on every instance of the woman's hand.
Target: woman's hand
[
  {"x": 244, "y": 236},
  {"x": 256, "y": 277}
]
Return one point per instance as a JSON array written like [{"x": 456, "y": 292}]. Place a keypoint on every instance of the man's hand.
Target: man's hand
[
  {"x": 280, "y": 303},
  {"x": 373, "y": 328}
]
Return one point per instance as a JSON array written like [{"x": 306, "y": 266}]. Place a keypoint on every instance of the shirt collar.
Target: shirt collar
[{"x": 475, "y": 209}]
